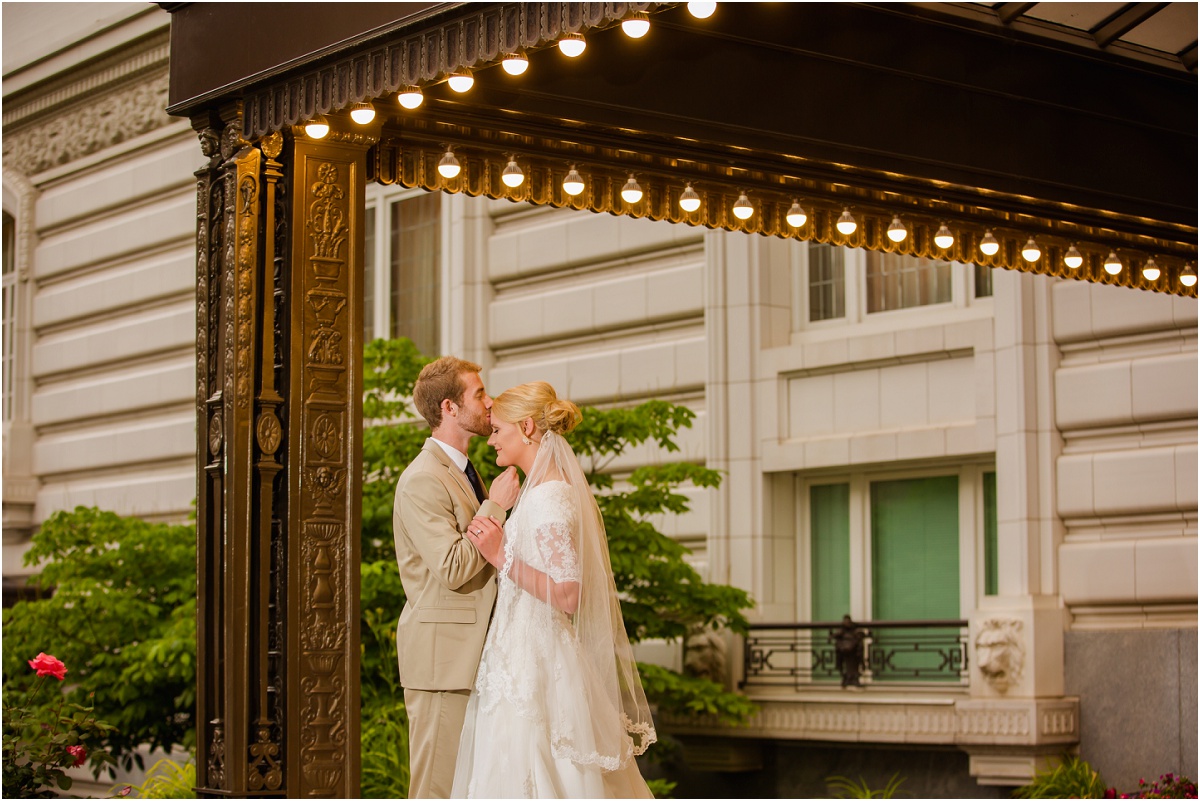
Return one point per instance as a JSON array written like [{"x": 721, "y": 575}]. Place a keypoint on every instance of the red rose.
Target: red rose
[
  {"x": 77, "y": 751},
  {"x": 47, "y": 665}
]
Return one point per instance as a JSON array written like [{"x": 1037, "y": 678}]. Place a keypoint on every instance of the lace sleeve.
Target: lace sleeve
[{"x": 555, "y": 536}]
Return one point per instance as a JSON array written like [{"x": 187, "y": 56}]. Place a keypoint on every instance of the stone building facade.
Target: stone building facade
[{"x": 846, "y": 397}]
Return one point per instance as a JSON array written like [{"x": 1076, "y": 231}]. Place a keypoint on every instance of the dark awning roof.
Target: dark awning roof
[{"x": 1028, "y": 119}]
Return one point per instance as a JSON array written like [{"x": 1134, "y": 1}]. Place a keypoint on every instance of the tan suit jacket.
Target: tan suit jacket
[{"x": 449, "y": 586}]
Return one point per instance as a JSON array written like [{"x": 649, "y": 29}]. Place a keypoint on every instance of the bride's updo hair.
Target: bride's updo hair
[{"x": 539, "y": 401}]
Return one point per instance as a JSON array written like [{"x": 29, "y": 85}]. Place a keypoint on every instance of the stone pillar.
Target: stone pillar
[
  {"x": 1017, "y": 718},
  {"x": 279, "y": 419}
]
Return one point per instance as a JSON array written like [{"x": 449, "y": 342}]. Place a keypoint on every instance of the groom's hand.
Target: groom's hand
[
  {"x": 488, "y": 537},
  {"x": 505, "y": 488}
]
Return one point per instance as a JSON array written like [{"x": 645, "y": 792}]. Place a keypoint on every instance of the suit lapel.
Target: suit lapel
[{"x": 456, "y": 475}]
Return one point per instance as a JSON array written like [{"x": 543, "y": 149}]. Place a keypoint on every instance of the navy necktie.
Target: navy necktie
[{"x": 473, "y": 477}]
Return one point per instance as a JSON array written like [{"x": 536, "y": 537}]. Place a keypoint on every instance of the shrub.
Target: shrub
[
  {"x": 123, "y": 615},
  {"x": 1071, "y": 778}
]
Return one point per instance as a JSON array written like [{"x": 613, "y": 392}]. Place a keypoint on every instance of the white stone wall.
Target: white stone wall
[
  {"x": 99, "y": 180},
  {"x": 611, "y": 311},
  {"x": 113, "y": 319},
  {"x": 1126, "y": 403}
]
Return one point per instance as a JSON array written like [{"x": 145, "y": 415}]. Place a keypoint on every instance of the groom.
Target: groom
[{"x": 448, "y": 584}]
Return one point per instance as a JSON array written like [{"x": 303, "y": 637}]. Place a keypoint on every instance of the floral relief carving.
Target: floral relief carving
[
  {"x": 89, "y": 125},
  {"x": 327, "y": 214},
  {"x": 269, "y": 432},
  {"x": 327, "y": 436},
  {"x": 247, "y": 253}
]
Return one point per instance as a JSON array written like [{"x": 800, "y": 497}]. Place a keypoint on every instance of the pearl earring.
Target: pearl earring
[{"x": 526, "y": 439}]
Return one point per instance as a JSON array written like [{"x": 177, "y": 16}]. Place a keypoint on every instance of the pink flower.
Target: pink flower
[
  {"x": 77, "y": 751},
  {"x": 47, "y": 665},
  {"x": 126, "y": 790}
]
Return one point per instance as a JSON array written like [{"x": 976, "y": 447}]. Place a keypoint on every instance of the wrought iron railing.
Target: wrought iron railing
[{"x": 879, "y": 652}]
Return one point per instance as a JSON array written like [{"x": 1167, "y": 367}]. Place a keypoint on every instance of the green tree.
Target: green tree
[
  {"x": 662, "y": 595},
  {"x": 122, "y": 615}
]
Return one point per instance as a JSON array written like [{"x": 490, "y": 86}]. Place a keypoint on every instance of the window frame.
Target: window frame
[
  {"x": 962, "y": 295},
  {"x": 971, "y": 550},
  {"x": 379, "y": 202}
]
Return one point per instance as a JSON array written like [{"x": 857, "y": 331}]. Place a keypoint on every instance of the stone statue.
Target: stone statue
[{"x": 999, "y": 652}]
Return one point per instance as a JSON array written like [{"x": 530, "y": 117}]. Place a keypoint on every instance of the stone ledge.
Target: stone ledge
[{"x": 1008, "y": 739}]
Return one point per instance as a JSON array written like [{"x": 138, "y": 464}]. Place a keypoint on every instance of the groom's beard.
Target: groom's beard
[{"x": 479, "y": 425}]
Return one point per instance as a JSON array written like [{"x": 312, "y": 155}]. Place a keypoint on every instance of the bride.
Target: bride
[{"x": 558, "y": 709}]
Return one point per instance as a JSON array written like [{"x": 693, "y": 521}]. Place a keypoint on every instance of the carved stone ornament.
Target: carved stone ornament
[
  {"x": 89, "y": 125},
  {"x": 1000, "y": 652}
]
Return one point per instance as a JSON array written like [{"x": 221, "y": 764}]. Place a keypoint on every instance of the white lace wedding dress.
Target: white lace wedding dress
[{"x": 539, "y": 724}]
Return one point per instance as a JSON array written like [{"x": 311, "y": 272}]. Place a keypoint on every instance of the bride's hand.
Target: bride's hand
[
  {"x": 505, "y": 488},
  {"x": 488, "y": 537}
]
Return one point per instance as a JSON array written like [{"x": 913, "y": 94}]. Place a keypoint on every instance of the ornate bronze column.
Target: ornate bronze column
[{"x": 279, "y": 260}]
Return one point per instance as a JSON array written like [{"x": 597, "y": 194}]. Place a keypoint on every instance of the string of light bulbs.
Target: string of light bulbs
[{"x": 636, "y": 25}]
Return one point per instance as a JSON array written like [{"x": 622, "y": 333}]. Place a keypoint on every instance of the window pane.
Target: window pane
[
  {"x": 415, "y": 240},
  {"x": 830, "y": 509},
  {"x": 991, "y": 572},
  {"x": 895, "y": 281},
  {"x": 369, "y": 277},
  {"x": 826, "y": 282},
  {"x": 983, "y": 281},
  {"x": 914, "y": 548},
  {"x": 914, "y": 563}
]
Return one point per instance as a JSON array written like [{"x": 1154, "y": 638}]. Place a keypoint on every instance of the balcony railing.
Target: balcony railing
[{"x": 890, "y": 653}]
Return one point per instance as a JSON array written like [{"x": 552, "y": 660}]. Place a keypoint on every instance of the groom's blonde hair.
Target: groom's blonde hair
[{"x": 441, "y": 380}]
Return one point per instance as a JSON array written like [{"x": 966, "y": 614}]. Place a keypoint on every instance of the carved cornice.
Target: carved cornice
[
  {"x": 467, "y": 40},
  {"x": 89, "y": 125},
  {"x": 149, "y": 55}
]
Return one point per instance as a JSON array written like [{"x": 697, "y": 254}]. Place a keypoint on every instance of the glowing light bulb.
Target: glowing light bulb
[
  {"x": 636, "y": 25},
  {"x": 1150, "y": 270},
  {"x": 632, "y": 191},
  {"x": 1188, "y": 276},
  {"x": 512, "y": 175},
  {"x": 410, "y": 97},
  {"x": 988, "y": 245},
  {"x": 572, "y": 45},
  {"x": 742, "y": 208},
  {"x": 461, "y": 80},
  {"x": 362, "y": 113},
  {"x": 515, "y": 63},
  {"x": 1073, "y": 258},
  {"x": 689, "y": 200},
  {"x": 1112, "y": 263},
  {"x": 702, "y": 11},
  {"x": 573, "y": 183},
  {"x": 943, "y": 238},
  {"x": 796, "y": 215},
  {"x": 449, "y": 166},
  {"x": 317, "y": 127},
  {"x": 896, "y": 231},
  {"x": 1031, "y": 252},
  {"x": 846, "y": 224}
]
